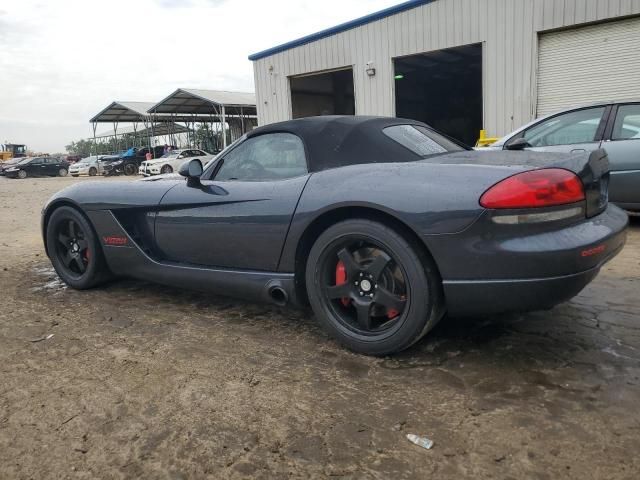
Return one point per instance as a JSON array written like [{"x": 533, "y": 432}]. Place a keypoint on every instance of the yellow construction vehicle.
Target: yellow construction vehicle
[{"x": 12, "y": 150}]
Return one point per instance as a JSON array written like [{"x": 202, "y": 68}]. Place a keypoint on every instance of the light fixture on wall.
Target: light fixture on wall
[{"x": 371, "y": 71}]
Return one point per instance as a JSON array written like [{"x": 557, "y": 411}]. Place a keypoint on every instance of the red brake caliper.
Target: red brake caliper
[{"x": 341, "y": 279}]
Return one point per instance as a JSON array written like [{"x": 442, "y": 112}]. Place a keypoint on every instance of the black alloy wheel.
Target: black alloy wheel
[
  {"x": 373, "y": 290},
  {"x": 74, "y": 250}
]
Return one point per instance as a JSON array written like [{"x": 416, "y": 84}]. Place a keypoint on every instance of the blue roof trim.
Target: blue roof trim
[{"x": 387, "y": 12}]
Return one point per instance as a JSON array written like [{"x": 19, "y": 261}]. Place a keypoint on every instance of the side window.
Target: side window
[
  {"x": 574, "y": 127},
  {"x": 627, "y": 124},
  {"x": 273, "y": 156},
  {"x": 37, "y": 161}
]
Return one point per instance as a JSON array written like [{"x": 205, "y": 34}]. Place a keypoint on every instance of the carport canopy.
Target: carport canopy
[
  {"x": 189, "y": 102},
  {"x": 124, "y": 112}
]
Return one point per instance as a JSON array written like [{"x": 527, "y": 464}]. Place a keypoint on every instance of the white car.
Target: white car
[
  {"x": 171, "y": 162},
  {"x": 91, "y": 166}
]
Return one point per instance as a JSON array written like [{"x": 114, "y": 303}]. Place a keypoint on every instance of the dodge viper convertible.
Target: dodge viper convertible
[{"x": 382, "y": 225}]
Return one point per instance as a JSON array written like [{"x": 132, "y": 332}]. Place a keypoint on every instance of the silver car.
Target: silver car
[
  {"x": 91, "y": 166},
  {"x": 612, "y": 126}
]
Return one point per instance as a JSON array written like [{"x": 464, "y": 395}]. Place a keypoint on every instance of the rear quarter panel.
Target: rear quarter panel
[{"x": 429, "y": 198}]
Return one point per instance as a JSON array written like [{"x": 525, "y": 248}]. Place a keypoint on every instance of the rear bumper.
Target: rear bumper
[
  {"x": 478, "y": 297},
  {"x": 581, "y": 252}
]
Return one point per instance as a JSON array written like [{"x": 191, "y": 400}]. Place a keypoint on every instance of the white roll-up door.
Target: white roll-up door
[{"x": 589, "y": 64}]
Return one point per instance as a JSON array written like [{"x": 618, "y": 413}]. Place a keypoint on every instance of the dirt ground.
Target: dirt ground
[{"x": 145, "y": 381}]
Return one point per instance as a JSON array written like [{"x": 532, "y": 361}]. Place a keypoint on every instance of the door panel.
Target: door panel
[{"x": 232, "y": 224}]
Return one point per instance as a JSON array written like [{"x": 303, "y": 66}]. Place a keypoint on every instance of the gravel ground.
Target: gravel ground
[{"x": 146, "y": 381}]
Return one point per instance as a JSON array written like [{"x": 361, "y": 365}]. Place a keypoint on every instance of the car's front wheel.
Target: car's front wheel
[
  {"x": 74, "y": 249},
  {"x": 22, "y": 174},
  {"x": 166, "y": 169},
  {"x": 93, "y": 171},
  {"x": 373, "y": 290}
]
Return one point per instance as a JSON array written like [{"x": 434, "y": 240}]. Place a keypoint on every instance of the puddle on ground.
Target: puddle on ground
[{"x": 52, "y": 281}]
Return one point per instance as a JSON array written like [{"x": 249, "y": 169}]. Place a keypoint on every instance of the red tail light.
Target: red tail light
[{"x": 536, "y": 188}]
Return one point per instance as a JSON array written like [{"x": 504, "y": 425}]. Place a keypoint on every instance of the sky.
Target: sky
[{"x": 62, "y": 61}]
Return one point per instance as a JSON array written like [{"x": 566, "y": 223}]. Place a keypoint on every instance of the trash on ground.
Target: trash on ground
[
  {"x": 42, "y": 338},
  {"x": 423, "y": 442}
]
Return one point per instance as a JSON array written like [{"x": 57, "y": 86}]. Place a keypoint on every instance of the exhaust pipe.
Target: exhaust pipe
[{"x": 278, "y": 295}]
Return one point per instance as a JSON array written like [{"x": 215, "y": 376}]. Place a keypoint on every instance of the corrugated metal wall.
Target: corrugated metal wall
[{"x": 507, "y": 28}]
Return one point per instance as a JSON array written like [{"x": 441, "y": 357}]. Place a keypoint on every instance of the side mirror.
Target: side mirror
[
  {"x": 518, "y": 144},
  {"x": 192, "y": 170}
]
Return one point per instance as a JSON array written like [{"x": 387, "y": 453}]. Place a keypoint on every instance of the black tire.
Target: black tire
[
  {"x": 166, "y": 169},
  {"x": 396, "y": 273},
  {"x": 80, "y": 268},
  {"x": 93, "y": 171},
  {"x": 130, "y": 169},
  {"x": 22, "y": 174},
  {"x": 75, "y": 176},
  {"x": 63, "y": 172}
]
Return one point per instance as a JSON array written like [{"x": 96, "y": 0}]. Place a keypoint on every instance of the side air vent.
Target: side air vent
[{"x": 139, "y": 226}]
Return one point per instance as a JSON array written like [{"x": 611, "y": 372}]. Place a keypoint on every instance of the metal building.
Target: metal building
[{"x": 459, "y": 65}]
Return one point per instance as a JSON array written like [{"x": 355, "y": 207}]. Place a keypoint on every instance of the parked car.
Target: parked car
[
  {"x": 171, "y": 161},
  {"x": 116, "y": 165},
  {"x": 38, "y": 167},
  {"x": 381, "y": 224},
  {"x": 9, "y": 163},
  {"x": 128, "y": 163},
  {"x": 91, "y": 166},
  {"x": 612, "y": 126}
]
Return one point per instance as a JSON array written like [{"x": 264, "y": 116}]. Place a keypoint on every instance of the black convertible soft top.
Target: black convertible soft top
[{"x": 337, "y": 141}]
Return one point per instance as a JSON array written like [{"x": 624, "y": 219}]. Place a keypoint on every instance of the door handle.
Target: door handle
[{"x": 576, "y": 150}]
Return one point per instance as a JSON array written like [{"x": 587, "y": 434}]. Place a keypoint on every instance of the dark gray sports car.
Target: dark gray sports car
[{"x": 381, "y": 224}]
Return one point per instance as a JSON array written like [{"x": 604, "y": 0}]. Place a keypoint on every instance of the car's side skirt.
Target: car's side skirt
[{"x": 124, "y": 257}]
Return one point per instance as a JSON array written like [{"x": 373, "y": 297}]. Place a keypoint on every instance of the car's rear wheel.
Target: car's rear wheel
[
  {"x": 62, "y": 172},
  {"x": 373, "y": 290},
  {"x": 74, "y": 249},
  {"x": 93, "y": 171},
  {"x": 166, "y": 169},
  {"x": 130, "y": 169},
  {"x": 22, "y": 174}
]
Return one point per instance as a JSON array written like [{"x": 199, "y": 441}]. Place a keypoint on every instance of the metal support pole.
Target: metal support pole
[
  {"x": 224, "y": 128},
  {"x": 115, "y": 135},
  {"x": 95, "y": 145}
]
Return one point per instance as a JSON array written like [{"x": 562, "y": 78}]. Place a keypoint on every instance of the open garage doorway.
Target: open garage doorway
[
  {"x": 327, "y": 93},
  {"x": 443, "y": 89}
]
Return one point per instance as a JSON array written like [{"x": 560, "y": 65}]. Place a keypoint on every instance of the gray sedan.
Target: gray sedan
[{"x": 612, "y": 126}]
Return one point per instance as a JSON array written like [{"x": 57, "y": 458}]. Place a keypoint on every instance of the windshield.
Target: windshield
[
  {"x": 421, "y": 140},
  {"x": 171, "y": 154},
  {"x": 87, "y": 160},
  {"x": 25, "y": 161}
]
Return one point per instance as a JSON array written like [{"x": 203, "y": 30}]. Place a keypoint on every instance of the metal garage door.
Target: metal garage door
[{"x": 587, "y": 64}]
